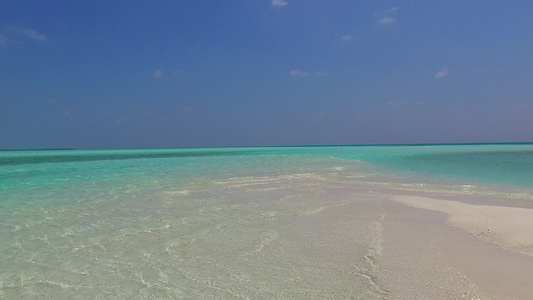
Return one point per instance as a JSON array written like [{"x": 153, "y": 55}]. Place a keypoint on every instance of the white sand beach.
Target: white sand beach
[{"x": 489, "y": 245}]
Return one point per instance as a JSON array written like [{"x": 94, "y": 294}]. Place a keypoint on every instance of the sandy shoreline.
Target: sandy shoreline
[
  {"x": 433, "y": 244},
  {"x": 509, "y": 227},
  {"x": 490, "y": 245}
]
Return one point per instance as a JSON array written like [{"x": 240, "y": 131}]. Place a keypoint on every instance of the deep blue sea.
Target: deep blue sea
[{"x": 87, "y": 224}]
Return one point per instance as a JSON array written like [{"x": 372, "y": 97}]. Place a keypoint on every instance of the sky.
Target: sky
[{"x": 212, "y": 73}]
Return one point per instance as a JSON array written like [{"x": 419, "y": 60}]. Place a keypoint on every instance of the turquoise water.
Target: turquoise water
[
  {"x": 122, "y": 223},
  {"x": 500, "y": 164},
  {"x": 49, "y": 172}
]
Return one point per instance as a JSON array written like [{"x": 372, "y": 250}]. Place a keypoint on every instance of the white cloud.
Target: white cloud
[
  {"x": 158, "y": 73},
  {"x": 397, "y": 103},
  {"x": 405, "y": 103},
  {"x": 29, "y": 33},
  {"x": 442, "y": 73},
  {"x": 386, "y": 20},
  {"x": 121, "y": 121},
  {"x": 178, "y": 72},
  {"x": 34, "y": 35},
  {"x": 386, "y": 17},
  {"x": 298, "y": 73},
  {"x": 3, "y": 40},
  {"x": 321, "y": 73},
  {"x": 348, "y": 37},
  {"x": 279, "y": 3}
]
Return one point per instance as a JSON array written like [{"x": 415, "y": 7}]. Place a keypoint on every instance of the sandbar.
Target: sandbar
[{"x": 491, "y": 245}]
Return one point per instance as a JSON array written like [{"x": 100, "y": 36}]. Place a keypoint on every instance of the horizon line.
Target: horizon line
[{"x": 285, "y": 146}]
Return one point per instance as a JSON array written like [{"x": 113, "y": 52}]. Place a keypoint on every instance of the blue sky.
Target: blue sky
[{"x": 195, "y": 73}]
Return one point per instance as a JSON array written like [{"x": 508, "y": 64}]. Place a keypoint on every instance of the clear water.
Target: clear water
[
  {"x": 216, "y": 223},
  {"x": 501, "y": 164}
]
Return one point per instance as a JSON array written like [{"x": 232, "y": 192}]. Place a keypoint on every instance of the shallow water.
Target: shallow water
[{"x": 242, "y": 223}]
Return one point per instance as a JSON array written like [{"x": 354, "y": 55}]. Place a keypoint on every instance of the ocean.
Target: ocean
[{"x": 224, "y": 223}]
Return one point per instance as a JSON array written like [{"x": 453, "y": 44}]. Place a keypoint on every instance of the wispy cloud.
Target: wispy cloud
[
  {"x": 386, "y": 20},
  {"x": 279, "y": 3},
  {"x": 3, "y": 40},
  {"x": 29, "y": 33},
  {"x": 302, "y": 74},
  {"x": 299, "y": 73},
  {"x": 178, "y": 72},
  {"x": 387, "y": 17},
  {"x": 158, "y": 73},
  {"x": 121, "y": 121},
  {"x": 397, "y": 103},
  {"x": 15, "y": 35},
  {"x": 442, "y": 73},
  {"x": 348, "y": 37},
  {"x": 34, "y": 35},
  {"x": 405, "y": 103}
]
